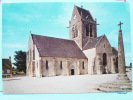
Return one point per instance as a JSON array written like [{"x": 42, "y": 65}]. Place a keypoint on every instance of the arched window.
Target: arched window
[
  {"x": 33, "y": 54},
  {"x": 90, "y": 27},
  {"x": 104, "y": 59},
  {"x": 30, "y": 55},
  {"x": 104, "y": 45},
  {"x": 87, "y": 31},
  {"x": 46, "y": 64},
  {"x": 60, "y": 64},
  {"x": 76, "y": 31},
  {"x": 73, "y": 32},
  {"x": 83, "y": 67}
]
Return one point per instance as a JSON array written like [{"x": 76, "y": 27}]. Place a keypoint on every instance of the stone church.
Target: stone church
[{"x": 84, "y": 53}]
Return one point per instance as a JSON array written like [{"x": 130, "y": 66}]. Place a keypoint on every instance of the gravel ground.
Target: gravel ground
[{"x": 57, "y": 84}]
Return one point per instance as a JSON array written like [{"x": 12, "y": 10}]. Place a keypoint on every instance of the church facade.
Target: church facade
[{"x": 84, "y": 53}]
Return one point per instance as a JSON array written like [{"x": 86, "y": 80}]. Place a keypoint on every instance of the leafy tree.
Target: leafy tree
[{"x": 20, "y": 60}]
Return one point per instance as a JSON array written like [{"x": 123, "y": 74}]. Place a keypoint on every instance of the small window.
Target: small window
[
  {"x": 90, "y": 30},
  {"x": 104, "y": 45},
  {"x": 76, "y": 34},
  {"x": 73, "y": 32},
  {"x": 33, "y": 54},
  {"x": 60, "y": 64},
  {"x": 87, "y": 31},
  {"x": 83, "y": 65},
  {"x": 76, "y": 31},
  {"x": 46, "y": 64},
  {"x": 30, "y": 55}
]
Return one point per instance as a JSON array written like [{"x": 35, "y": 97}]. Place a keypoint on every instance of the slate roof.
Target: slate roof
[
  {"x": 6, "y": 63},
  {"x": 85, "y": 12},
  {"x": 55, "y": 47},
  {"x": 92, "y": 42}
]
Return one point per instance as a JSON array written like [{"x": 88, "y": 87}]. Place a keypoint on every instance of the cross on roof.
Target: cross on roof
[
  {"x": 97, "y": 24},
  {"x": 96, "y": 20},
  {"x": 120, "y": 24},
  {"x": 81, "y": 5},
  {"x": 30, "y": 32}
]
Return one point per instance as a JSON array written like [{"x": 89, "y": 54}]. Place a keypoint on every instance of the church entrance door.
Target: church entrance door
[
  {"x": 72, "y": 71},
  {"x": 104, "y": 63}
]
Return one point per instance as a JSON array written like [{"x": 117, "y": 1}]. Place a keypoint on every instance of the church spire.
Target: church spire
[{"x": 121, "y": 55}]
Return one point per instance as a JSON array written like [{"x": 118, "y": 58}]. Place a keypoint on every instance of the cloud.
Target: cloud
[
  {"x": 18, "y": 45},
  {"x": 113, "y": 37},
  {"x": 67, "y": 8},
  {"x": 128, "y": 54},
  {"x": 16, "y": 16},
  {"x": 22, "y": 16},
  {"x": 97, "y": 11},
  {"x": 9, "y": 32},
  {"x": 65, "y": 15}
]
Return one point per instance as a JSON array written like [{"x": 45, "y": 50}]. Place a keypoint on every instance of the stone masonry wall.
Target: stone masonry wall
[
  {"x": 104, "y": 47},
  {"x": 33, "y": 60},
  {"x": 56, "y": 69}
]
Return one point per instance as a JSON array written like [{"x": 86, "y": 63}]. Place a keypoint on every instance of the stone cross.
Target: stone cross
[
  {"x": 96, "y": 21},
  {"x": 120, "y": 24},
  {"x": 81, "y": 4},
  {"x": 121, "y": 55}
]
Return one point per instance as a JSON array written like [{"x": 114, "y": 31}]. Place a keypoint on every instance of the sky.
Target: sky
[{"x": 52, "y": 19}]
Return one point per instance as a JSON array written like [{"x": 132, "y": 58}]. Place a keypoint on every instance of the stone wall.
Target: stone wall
[
  {"x": 36, "y": 65},
  {"x": 33, "y": 60},
  {"x": 29, "y": 69},
  {"x": 38, "y": 62},
  {"x": 104, "y": 47},
  {"x": 76, "y": 25},
  {"x": 91, "y": 54},
  {"x": 79, "y": 25},
  {"x": 114, "y": 61},
  {"x": 94, "y": 54},
  {"x": 63, "y": 66}
]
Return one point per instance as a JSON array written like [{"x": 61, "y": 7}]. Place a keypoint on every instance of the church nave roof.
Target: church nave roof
[{"x": 56, "y": 47}]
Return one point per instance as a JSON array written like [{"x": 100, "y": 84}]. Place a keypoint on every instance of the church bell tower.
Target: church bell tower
[{"x": 82, "y": 26}]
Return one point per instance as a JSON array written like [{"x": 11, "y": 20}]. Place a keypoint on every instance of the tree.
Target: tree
[
  {"x": 13, "y": 68},
  {"x": 20, "y": 60}
]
